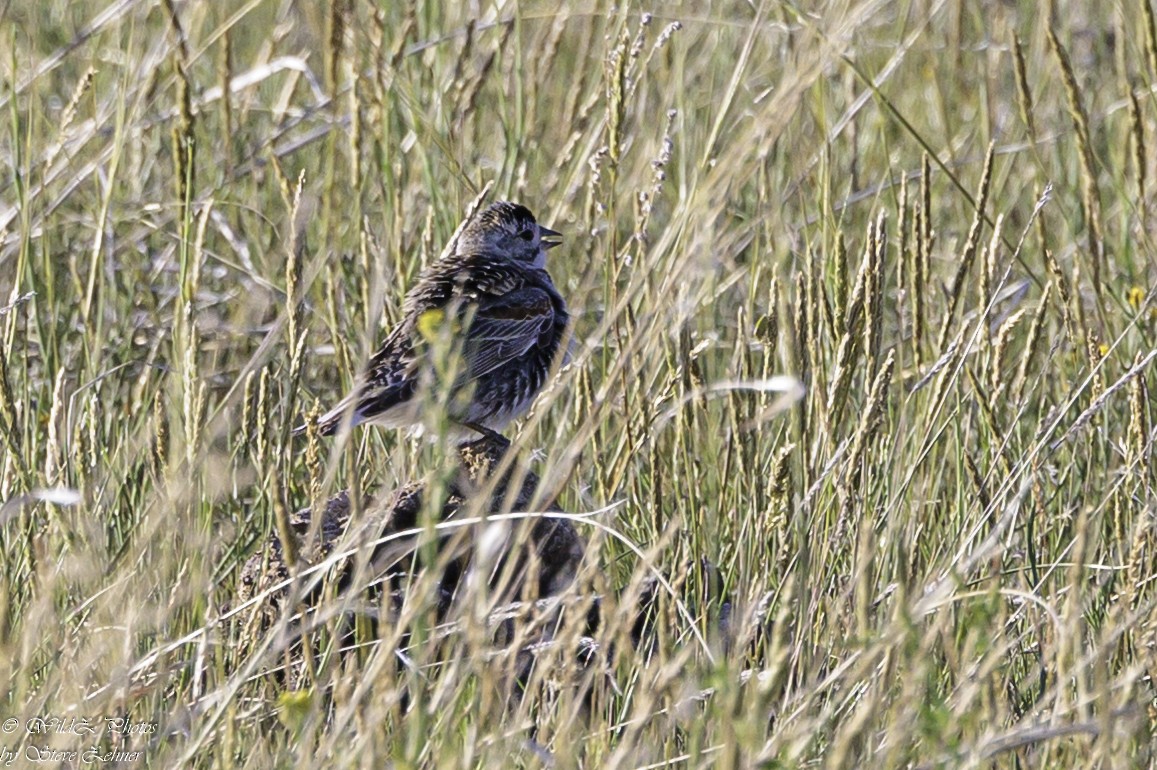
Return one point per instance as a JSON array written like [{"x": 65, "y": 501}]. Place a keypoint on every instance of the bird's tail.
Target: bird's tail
[
  {"x": 325, "y": 427},
  {"x": 328, "y": 423}
]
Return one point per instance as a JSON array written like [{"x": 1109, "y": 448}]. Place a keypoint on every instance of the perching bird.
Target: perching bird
[{"x": 492, "y": 304}]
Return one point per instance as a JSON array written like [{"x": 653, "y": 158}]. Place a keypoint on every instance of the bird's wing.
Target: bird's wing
[{"x": 504, "y": 328}]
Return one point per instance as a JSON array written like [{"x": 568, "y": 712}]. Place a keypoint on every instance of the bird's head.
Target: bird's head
[{"x": 509, "y": 229}]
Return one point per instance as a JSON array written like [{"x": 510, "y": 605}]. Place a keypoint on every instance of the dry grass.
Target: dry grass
[{"x": 941, "y": 555}]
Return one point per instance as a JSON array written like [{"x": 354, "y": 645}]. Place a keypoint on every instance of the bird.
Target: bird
[{"x": 492, "y": 300}]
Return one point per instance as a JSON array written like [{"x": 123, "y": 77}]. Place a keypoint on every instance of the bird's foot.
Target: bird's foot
[{"x": 487, "y": 433}]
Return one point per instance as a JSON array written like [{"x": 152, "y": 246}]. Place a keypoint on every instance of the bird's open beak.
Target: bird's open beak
[{"x": 546, "y": 232}]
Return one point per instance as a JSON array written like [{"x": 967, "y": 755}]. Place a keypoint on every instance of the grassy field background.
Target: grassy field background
[{"x": 936, "y": 216}]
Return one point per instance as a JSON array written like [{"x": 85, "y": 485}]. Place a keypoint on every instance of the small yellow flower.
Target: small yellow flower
[
  {"x": 1103, "y": 349},
  {"x": 430, "y": 324},
  {"x": 293, "y": 706},
  {"x": 1135, "y": 296}
]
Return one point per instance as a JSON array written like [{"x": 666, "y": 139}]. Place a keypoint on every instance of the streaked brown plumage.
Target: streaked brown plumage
[{"x": 496, "y": 288}]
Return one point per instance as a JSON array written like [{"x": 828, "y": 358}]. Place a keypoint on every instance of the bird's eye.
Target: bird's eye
[{"x": 526, "y": 235}]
